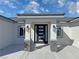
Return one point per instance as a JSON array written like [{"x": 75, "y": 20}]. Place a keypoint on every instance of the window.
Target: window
[
  {"x": 21, "y": 31},
  {"x": 59, "y": 32}
]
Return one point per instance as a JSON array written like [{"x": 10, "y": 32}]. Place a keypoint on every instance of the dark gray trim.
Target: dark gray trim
[
  {"x": 73, "y": 19},
  {"x": 6, "y": 19},
  {"x": 40, "y": 14}
]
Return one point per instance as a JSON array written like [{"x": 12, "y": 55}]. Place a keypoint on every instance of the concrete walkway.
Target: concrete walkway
[{"x": 17, "y": 52}]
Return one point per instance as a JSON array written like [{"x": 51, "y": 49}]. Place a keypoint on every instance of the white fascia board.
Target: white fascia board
[{"x": 40, "y": 16}]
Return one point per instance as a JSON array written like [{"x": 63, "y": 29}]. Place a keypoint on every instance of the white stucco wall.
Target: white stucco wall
[
  {"x": 7, "y": 33},
  {"x": 70, "y": 33},
  {"x": 67, "y": 34},
  {"x": 76, "y": 36},
  {"x": 75, "y": 33},
  {"x": 19, "y": 39}
]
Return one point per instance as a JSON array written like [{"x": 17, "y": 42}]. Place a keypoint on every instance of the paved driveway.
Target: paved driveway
[{"x": 17, "y": 52}]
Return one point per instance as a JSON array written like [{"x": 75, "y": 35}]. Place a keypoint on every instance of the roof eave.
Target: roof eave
[
  {"x": 39, "y": 15},
  {"x": 74, "y": 19},
  {"x": 7, "y": 19}
]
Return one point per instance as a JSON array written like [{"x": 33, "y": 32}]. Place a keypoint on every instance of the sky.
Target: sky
[{"x": 10, "y": 8}]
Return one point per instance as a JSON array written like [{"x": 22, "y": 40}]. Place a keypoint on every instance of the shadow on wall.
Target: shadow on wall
[
  {"x": 61, "y": 43},
  {"x": 66, "y": 40},
  {"x": 11, "y": 49},
  {"x": 34, "y": 47},
  {"x": 41, "y": 46}
]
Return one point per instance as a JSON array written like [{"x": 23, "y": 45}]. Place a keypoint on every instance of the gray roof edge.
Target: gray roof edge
[
  {"x": 7, "y": 19},
  {"x": 74, "y": 19},
  {"x": 56, "y": 14}
]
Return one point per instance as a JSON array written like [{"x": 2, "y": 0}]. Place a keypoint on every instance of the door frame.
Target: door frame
[{"x": 47, "y": 32}]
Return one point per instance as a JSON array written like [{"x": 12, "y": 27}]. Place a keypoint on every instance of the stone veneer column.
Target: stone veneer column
[
  {"x": 53, "y": 38},
  {"x": 27, "y": 36}
]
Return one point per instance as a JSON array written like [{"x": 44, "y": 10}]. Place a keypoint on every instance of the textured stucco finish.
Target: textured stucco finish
[
  {"x": 75, "y": 32},
  {"x": 7, "y": 33}
]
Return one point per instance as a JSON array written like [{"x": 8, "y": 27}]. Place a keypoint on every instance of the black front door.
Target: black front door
[{"x": 41, "y": 33}]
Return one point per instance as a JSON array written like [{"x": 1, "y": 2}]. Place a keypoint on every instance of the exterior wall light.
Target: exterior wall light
[
  {"x": 54, "y": 28},
  {"x": 27, "y": 28}
]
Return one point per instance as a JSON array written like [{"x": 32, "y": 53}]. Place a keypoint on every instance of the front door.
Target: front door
[{"x": 41, "y": 33}]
